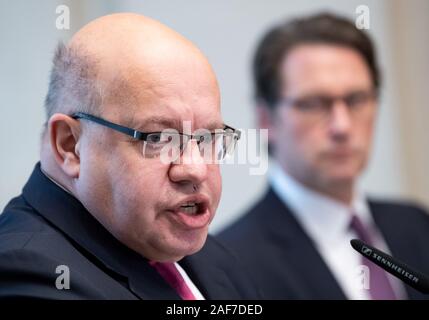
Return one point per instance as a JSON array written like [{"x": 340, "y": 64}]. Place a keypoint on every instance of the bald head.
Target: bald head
[
  {"x": 117, "y": 37},
  {"x": 115, "y": 58}
]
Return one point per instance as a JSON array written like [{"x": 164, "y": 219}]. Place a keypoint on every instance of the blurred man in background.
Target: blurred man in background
[
  {"x": 317, "y": 85},
  {"x": 102, "y": 215}
]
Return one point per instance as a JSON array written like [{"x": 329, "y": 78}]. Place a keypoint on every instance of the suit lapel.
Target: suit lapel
[
  {"x": 148, "y": 284},
  {"x": 307, "y": 272},
  {"x": 69, "y": 217},
  {"x": 210, "y": 279}
]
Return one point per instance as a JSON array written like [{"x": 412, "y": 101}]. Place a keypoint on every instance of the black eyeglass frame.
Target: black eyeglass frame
[{"x": 139, "y": 135}]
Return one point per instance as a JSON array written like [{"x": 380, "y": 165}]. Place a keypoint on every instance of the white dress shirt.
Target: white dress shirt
[
  {"x": 197, "y": 294},
  {"x": 327, "y": 222}
]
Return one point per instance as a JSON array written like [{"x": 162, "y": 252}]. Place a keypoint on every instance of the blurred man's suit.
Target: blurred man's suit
[
  {"x": 285, "y": 258},
  {"x": 46, "y": 227}
]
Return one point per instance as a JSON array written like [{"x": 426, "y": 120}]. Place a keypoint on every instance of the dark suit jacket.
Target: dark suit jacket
[
  {"x": 45, "y": 227},
  {"x": 286, "y": 264}
]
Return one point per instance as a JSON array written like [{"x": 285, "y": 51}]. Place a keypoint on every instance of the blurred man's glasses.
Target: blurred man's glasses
[
  {"x": 170, "y": 144},
  {"x": 319, "y": 107}
]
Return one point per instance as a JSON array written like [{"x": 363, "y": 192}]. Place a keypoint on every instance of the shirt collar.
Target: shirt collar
[
  {"x": 55, "y": 181},
  {"x": 321, "y": 216}
]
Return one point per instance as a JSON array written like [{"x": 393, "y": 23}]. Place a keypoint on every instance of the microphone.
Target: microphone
[{"x": 413, "y": 278}]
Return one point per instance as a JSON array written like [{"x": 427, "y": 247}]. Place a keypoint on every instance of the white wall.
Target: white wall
[
  {"x": 227, "y": 31},
  {"x": 27, "y": 36}
]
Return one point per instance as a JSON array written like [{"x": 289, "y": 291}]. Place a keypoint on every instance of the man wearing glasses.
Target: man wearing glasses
[
  {"x": 317, "y": 87},
  {"x": 128, "y": 183}
]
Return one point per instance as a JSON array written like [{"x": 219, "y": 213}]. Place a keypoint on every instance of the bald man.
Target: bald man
[{"x": 120, "y": 203}]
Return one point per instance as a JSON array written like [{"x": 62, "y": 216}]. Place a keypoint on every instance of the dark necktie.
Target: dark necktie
[{"x": 379, "y": 285}]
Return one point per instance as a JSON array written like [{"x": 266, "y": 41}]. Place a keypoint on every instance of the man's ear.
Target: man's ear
[
  {"x": 64, "y": 134},
  {"x": 265, "y": 120}
]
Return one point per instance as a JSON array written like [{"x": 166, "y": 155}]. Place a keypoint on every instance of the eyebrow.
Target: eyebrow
[{"x": 169, "y": 123}]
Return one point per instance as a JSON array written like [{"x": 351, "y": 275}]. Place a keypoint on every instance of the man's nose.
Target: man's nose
[
  {"x": 190, "y": 167},
  {"x": 340, "y": 121}
]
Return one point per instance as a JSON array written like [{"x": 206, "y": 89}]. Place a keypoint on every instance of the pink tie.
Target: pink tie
[
  {"x": 173, "y": 277},
  {"x": 380, "y": 288}
]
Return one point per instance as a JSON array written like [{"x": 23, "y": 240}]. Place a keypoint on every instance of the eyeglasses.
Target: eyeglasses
[
  {"x": 319, "y": 107},
  {"x": 170, "y": 144}
]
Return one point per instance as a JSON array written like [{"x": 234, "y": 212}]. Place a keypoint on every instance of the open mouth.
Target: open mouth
[
  {"x": 192, "y": 208},
  {"x": 192, "y": 213}
]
